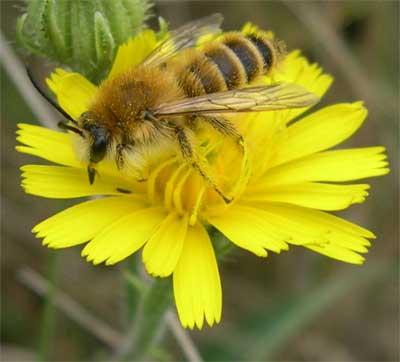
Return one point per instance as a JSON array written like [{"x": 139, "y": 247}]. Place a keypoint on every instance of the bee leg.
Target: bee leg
[
  {"x": 120, "y": 161},
  {"x": 226, "y": 128},
  {"x": 120, "y": 157},
  {"x": 64, "y": 125},
  {"x": 189, "y": 155}
]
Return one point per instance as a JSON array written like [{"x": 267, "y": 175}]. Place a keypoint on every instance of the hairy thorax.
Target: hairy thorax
[{"x": 122, "y": 103}]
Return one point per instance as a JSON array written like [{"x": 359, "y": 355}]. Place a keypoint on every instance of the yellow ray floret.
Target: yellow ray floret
[
  {"x": 162, "y": 251},
  {"x": 50, "y": 145},
  {"x": 197, "y": 286},
  {"x": 65, "y": 182},
  {"x": 74, "y": 92},
  {"x": 133, "y": 52},
  {"x": 82, "y": 222},
  {"x": 329, "y": 166},
  {"x": 119, "y": 239},
  {"x": 319, "y": 131},
  {"x": 314, "y": 195}
]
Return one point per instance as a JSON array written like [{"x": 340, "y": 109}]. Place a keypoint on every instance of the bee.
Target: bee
[{"x": 176, "y": 87}]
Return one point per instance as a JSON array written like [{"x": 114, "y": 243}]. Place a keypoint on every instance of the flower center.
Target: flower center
[{"x": 180, "y": 187}]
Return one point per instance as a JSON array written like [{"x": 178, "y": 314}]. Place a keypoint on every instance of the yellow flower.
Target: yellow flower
[{"x": 282, "y": 190}]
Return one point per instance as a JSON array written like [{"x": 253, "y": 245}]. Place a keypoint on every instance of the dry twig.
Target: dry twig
[
  {"x": 99, "y": 329},
  {"x": 71, "y": 308}
]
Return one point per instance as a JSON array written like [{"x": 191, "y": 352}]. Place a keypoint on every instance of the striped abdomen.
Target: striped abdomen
[{"x": 222, "y": 65}]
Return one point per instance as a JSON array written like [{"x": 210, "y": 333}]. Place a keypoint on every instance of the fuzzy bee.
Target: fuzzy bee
[{"x": 178, "y": 86}]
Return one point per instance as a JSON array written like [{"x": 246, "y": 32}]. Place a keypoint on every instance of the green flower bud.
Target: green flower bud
[{"x": 83, "y": 35}]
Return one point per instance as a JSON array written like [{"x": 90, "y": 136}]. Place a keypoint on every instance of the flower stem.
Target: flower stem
[
  {"x": 148, "y": 304},
  {"x": 48, "y": 321},
  {"x": 133, "y": 288},
  {"x": 141, "y": 340},
  {"x": 150, "y": 318}
]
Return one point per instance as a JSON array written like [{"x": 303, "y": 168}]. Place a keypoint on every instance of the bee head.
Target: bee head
[{"x": 99, "y": 138}]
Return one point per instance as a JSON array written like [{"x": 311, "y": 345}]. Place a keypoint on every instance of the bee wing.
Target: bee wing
[
  {"x": 252, "y": 99},
  {"x": 184, "y": 37}
]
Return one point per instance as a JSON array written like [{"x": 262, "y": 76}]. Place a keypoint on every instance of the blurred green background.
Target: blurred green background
[{"x": 295, "y": 306}]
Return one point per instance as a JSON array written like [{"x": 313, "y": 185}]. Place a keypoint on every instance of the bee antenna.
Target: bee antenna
[{"x": 46, "y": 97}]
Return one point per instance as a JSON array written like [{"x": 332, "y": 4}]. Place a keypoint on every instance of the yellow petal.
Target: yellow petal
[
  {"x": 197, "y": 286},
  {"x": 312, "y": 228},
  {"x": 262, "y": 129},
  {"x": 335, "y": 166},
  {"x": 296, "y": 69},
  {"x": 248, "y": 229},
  {"x": 80, "y": 223},
  {"x": 319, "y": 131},
  {"x": 313, "y": 195},
  {"x": 162, "y": 251},
  {"x": 125, "y": 236},
  {"x": 66, "y": 182},
  {"x": 133, "y": 52},
  {"x": 338, "y": 253},
  {"x": 249, "y": 28},
  {"x": 47, "y": 144},
  {"x": 74, "y": 92},
  {"x": 269, "y": 128}
]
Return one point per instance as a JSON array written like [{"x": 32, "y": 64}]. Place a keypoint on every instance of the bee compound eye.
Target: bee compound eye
[
  {"x": 100, "y": 142},
  {"x": 98, "y": 149}
]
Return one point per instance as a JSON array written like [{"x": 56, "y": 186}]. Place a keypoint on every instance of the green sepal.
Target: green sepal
[
  {"x": 104, "y": 41},
  {"x": 53, "y": 29},
  {"x": 82, "y": 35},
  {"x": 163, "y": 29}
]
